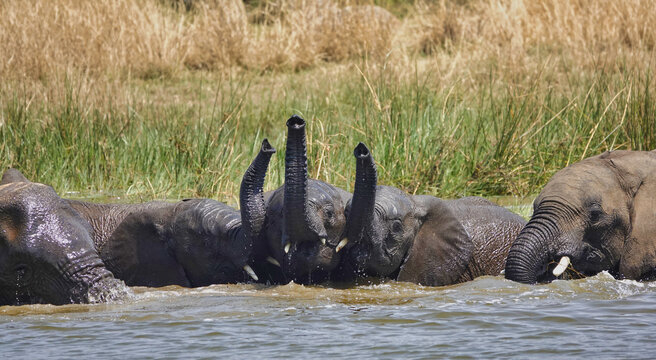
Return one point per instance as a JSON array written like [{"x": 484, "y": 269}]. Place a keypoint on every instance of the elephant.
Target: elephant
[
  {"x": 420, "y": 238},
  {"x": 191, "y": 243},
  {"x": 194, "y": 242},
  {"x": 47, "y": 254},
  {"x": 305, "y": 222},
  {"x": 598, "y": 214}
]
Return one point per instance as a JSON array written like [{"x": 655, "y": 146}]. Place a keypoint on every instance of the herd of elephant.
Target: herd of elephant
[{"x": 595, "y": 215}]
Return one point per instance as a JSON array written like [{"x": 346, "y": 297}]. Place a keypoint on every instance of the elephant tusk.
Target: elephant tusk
[
  {"x": 250, "y": 272},
  {"x": 273, "y": 261},
  {"x": 323, "y": 241},
  {"x": 287, "y": 246},
  {"x": 341, "y": 244},
  {"x": 562, "y": 266}
]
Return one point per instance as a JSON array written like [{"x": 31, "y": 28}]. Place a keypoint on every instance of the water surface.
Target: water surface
[{"x": 490, "y": 317}]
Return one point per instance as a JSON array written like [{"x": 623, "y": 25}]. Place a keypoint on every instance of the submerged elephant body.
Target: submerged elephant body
[
  {"x": 191, "y": 243},
  {"x": 491, "y": 229},
  {"x": 194, "y": 242},
  {"x": 595, "y": 215},
  {"x": 423, "y": 239}
]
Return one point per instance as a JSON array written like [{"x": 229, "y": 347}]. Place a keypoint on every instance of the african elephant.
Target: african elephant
[
  {"x": 419, "y": 238},
  {"x": 47, "y": 254},
  {"x": 194, "y": 242},
  {"x": 305, "y": 220},
  {"x": 597, "y": 214}
]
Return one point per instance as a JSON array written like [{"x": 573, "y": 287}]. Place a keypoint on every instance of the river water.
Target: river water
[{"x": 490, "y": 317}]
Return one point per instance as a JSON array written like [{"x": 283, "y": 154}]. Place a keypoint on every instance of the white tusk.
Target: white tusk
[
  {"x": 323, "y": 241},
  {"x": 250, "y": 272},
  {"x": 287, "y": 246},
  {"x": 341, "y": 244},
  {"x": 273, "y": 261},
  {"x": 562, "y": 266}
]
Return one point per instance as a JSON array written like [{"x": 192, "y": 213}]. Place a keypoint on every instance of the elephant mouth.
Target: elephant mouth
[
  {"x": 560, "y": 268},
  {"x": 311, "y": 260}
]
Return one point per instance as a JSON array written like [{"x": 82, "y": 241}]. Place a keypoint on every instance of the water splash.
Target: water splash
[{"x": 109, "y": 290}]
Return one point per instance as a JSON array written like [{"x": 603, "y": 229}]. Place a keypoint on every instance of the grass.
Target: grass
[{"x": 453, "y": 98}]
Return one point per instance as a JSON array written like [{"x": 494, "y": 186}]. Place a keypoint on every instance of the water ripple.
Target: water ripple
[{"x": 486, "y": 318}]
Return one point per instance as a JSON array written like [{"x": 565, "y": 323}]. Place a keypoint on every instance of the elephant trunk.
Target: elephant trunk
[
  {"x": 106, "y": 288},
  {"x": 361, "y": 214},
  {"x": 530, "y": 253},
  {"x": 90, "y": 281},
  {"x": 250, "y": 194},
  {"x": 296, "y": 180}
]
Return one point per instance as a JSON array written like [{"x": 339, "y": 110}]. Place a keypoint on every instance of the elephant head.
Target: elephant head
[
  {"x": 595, "y": 215},
  {"x": 227, "y": 258},
  {"x": 306, "y": 221},
  {"x": 395, "y": 235},
  {"x": 46, "y": 251}
]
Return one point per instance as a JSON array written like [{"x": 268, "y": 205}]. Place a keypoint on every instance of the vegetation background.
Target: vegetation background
[{"x": 170, "y": 99}]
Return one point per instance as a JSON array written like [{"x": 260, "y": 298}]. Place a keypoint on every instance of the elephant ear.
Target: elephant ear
[
  {"x": 442, "y": 248},
  {"x": 11, "y": 176},
  {"x": 638, "y": 260}
]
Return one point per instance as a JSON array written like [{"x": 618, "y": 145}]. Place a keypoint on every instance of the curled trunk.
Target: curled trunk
[
  {"x": 250, "y": 194},
  {"x": 361, "y": 213},
  {"x": 530, "y": 252}
]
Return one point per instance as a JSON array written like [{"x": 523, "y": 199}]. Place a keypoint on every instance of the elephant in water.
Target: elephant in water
[
  {"x": 420, "y": 238},
  {"x": 595, "y": 215},
  {"x": 47, "y": 254},
  {"x": 305, "y": 221},
  {"x": 194, "y": 242}
]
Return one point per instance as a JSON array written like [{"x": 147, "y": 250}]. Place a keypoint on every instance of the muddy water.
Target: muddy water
[{"x": 489, "y": 317}]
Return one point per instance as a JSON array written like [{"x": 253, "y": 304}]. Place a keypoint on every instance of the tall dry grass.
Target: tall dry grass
[
  {"x": 41, "y": 38},
  {"x": 518, "y": 33},
  {"x": 149, "y": 38}
]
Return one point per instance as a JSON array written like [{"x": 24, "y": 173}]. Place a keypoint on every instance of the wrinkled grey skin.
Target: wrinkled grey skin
[
  {"x": 301, "y": 212},
  {"x": 420, "y": 238},
  {"x": 46, "y": 251},
  {"x": 600, "y": 212}
]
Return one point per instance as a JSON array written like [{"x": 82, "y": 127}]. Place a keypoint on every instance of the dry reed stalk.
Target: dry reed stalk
[
  {"x": 515, "y": 31},
  {"x": 301, "y": 33},
  {"x": 218, "y": 36},
  {"x": 39, "y": 38}
]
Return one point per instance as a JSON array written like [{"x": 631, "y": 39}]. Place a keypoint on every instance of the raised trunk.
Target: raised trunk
[
  {"x": 250, "y": 194},
  {"x": 295, "y": 197},
  {"x": 530, "y": 252},
  {"x": 361, "y": 214}
]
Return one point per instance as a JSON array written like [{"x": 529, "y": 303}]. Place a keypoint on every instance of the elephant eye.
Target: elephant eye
[
  {"x": 596, "y": 212},
  {"x": 397, "y": 226}
]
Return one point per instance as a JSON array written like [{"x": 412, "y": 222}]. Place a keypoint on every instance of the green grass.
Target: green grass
[{"x": 489, "y": 137}]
